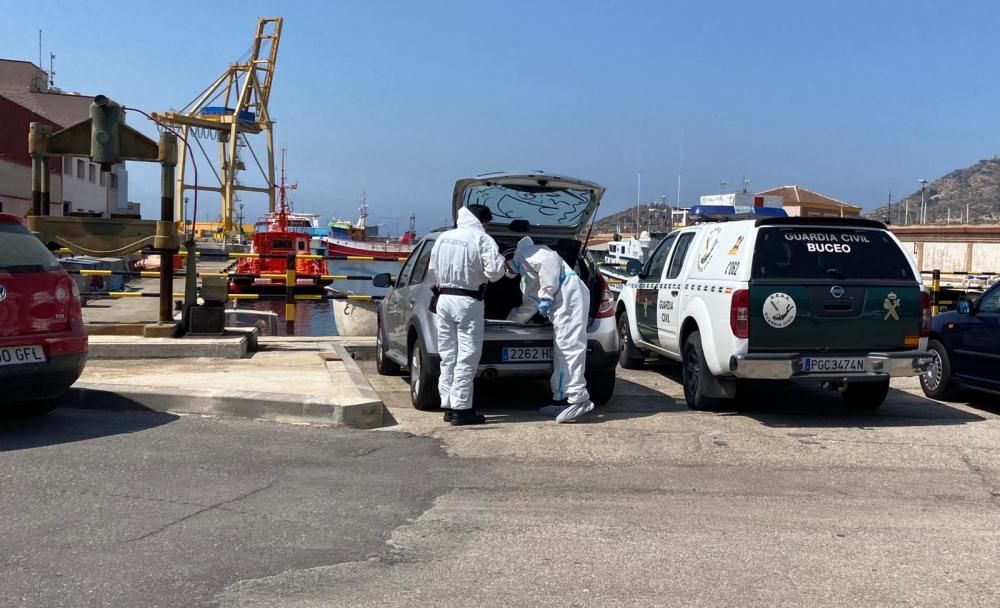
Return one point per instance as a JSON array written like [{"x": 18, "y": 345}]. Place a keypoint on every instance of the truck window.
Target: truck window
[
  {"x": 826, "y": 253},
  {"x": 654, "y": 267},
  {"x": 680, "y": 252}
]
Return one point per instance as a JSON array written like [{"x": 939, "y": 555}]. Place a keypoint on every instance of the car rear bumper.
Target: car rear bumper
[
  {"x": 36, "y": 381},
  {"x": 784, "y": 366},
  {"x": 598, "y": 359}
]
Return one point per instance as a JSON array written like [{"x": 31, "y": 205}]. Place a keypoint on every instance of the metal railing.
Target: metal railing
[{"x": 290, "y": 277}]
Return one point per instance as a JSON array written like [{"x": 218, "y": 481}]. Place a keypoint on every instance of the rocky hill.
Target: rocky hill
[
  {"x": 653, "y": 217},
  {"x": 974, "y": 190}
]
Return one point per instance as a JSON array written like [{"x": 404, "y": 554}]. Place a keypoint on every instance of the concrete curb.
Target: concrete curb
[
  {"x": 237, "y": 345},
  {"x": 359, "y": 413}
]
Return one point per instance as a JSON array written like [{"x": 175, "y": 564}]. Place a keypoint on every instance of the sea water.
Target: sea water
[{"x": 315, "y": 317}]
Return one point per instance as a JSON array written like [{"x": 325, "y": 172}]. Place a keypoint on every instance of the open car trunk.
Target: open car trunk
[{"x": 505, "y": 295}]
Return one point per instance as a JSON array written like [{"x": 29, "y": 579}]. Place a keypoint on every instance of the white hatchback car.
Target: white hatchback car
[{"x": 552, "y": 210}]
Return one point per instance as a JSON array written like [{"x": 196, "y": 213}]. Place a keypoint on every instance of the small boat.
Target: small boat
[
  {"x": 273, "y": 240},
  {"x": 353, "y": 317},
  {"x": 352, "y": 239}
]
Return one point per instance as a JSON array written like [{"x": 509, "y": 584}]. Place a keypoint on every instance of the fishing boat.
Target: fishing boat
[
  {"x": 353, "y": 239},
  {"x": 623, "y": 260},
  {"x": 276, "y": 235}
]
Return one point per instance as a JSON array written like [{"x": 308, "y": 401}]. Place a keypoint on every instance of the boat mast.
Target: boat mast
[
  {"x": 363, "y": 220},
  {"x": 282, "y": 188}
]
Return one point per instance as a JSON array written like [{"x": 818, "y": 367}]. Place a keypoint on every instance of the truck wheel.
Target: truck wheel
[
  {"x": 629, "y": 356},
  {"x": 693, "y": 370},
  {"x": 866, "y": 395},
  {"x": 936, "y": 381},
  {"x": 601, "y": 386},
  {"x": 383, "y": 364},
  {"x": 423, "y": 384}
]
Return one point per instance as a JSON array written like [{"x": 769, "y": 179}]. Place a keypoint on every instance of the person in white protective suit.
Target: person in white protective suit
[
  {"x": 463, "y": 260},
  {"x": 553, "y": 290}
]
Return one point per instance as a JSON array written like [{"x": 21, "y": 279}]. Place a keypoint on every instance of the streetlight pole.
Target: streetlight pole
[{"x": 923, "y": 201}]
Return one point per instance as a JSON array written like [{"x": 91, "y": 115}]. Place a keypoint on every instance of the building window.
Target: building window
[
  {"x": 66, "y": 205},
  {"x": 114, "y": 181},
  {"x": 92, "y": 173},
  {"x": 68, "y": 166},
  {"x": 103, "y": 180},
  {"x": 79, "y": 168}
]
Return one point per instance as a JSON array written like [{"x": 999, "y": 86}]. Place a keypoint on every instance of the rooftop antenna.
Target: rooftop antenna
[
  {"x": 39, "y": 49},
  {"x": 638, "y": 196},
  {"x": 52, "y": 70}
]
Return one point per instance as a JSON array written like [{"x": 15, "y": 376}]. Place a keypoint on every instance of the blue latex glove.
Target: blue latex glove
[{"x": 545, "y": 307}]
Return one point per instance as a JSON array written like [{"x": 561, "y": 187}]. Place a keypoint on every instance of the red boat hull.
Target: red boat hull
[{"x": 368, "y": 249}]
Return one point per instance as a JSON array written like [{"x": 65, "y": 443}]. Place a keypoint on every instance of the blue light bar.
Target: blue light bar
[{"x": 730, "y": 212}]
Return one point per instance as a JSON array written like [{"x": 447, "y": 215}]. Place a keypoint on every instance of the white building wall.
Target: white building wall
[
  {"x": 86, "y": 196},
  {"x": 15, "y": 189}
]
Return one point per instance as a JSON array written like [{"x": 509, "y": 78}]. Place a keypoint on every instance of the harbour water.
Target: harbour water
[{"x": 315, "y": 317}]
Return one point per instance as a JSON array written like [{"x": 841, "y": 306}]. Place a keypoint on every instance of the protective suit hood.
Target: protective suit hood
[{"x": 467, "y": 220}]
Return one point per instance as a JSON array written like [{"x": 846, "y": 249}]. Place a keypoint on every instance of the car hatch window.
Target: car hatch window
[
  {"x": 829, "y": 253},
  {"x": 404, "y": 273},
  {"x": 680, "y": 252},
  {"x": 423, "y": 261},
  {"x": 990, "y": 303},
  {"x": 21, "y": 251},
  {"x": 654, "y": 267}
]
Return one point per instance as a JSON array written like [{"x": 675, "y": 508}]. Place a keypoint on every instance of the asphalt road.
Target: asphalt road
[{"x": 788, "y": 501}]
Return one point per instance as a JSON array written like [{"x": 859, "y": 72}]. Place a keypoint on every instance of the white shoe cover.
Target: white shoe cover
[{"x": 574, "y": 411}]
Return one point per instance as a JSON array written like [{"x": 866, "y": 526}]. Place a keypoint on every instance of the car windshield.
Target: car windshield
[
  {"x": 829, "y": 254},
  {"x": 21, "y": 251},
  {"x": 539, "y": 205}
]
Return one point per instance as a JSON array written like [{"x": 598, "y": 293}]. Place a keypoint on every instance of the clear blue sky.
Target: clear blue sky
[{"x": 852, "y": 99}]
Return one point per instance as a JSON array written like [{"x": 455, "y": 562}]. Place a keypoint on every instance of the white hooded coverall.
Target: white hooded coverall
[
  {"x": 463, "y": 258},
  {"x": 544, "y": 274}
]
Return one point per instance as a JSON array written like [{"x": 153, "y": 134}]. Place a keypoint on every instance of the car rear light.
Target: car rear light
[
  {"x": 739, "y": 313},
  {"x": 925, "y": 314},
  {"x": 607, "y": 306}
]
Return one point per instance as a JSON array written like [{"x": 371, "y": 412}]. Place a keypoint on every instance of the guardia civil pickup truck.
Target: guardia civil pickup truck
[{"x": 756, "y": 295}]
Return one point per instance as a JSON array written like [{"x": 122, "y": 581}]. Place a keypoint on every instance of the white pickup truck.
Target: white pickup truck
[{"x": 831, "y": 300}]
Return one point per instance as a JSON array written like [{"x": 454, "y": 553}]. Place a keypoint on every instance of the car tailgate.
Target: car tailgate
[{"x": 833, "y": 317}]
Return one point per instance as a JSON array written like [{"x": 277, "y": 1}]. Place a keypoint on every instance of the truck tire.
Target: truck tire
[
  {"x": 384, "y": 365},
  {"x": 423, "y": 382},
  {"x": 693, "y": 368},
  {"x": 629, "y": 355},
  {"x": 601, "y": 386},
  {"x": 936, "y": 381},
  {"x": 866, "y": 395}
]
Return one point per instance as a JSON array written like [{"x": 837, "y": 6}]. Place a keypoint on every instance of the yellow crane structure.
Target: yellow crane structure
[{"x": 233, "y": 107}]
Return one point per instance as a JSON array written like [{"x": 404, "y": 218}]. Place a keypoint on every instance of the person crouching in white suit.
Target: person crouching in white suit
[
  {"x": 463, "y": 260},
  {"x": 553, "y": 290}
]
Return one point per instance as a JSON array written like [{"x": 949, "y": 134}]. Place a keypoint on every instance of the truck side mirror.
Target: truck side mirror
[{"x": 383, "y": 279}]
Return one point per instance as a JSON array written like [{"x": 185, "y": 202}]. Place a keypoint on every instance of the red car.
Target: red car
[{"x": 43, "y": 343}]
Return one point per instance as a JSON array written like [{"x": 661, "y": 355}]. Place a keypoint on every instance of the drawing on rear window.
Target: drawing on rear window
[
  {"x": 829, "y": 253},
  {"x": 539, "y": 205}
]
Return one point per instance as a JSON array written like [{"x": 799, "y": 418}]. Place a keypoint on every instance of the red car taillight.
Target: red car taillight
[
  {"x": 607, "y": 306},
  {"x": 739, "y": 313},
  {"x": 925, "y": 314}
]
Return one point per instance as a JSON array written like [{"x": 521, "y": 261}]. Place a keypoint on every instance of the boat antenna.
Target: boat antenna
[
  {"x": 363, "y": 220},
  {"x": 283, "y": 187}
]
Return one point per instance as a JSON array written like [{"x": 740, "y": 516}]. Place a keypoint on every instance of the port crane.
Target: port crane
[{"x": 232, "y": 108}]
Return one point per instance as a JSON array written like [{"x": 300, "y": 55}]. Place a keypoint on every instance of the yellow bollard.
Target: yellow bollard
[
  {"x": 290, "y": 280},
  {"x": 935, "y": 291}
]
